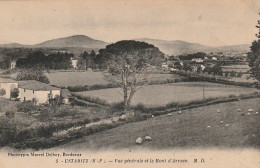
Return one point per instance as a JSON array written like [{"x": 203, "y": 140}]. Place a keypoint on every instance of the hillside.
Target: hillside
[
  {"x": 79, "y": 41},
  {"x": 178, "y": 47},
  {"x": 13, "y": 45}
]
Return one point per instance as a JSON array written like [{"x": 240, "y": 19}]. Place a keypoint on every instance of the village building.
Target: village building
[
  {"x": 7, "y": 85},
  {"x": 214, "y": 59},
  {"x": 13, "y": 64},
  {"x": 39, "y": 93},
  {"x": 197, "y": 60},
  {"x": 74, "y": 63}
]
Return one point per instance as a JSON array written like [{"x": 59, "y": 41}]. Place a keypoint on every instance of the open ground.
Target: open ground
[
  {"x": 160, "y": 95},
  {"x": 199, "y": 127}
]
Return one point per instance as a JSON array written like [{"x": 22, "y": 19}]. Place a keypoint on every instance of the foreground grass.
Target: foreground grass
[{"x": 189, "y": 129}]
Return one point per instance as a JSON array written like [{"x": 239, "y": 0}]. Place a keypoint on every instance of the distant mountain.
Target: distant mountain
[
  {"x": 12, "y": 45},
  {"x": 178, "y": 47},
  {"x": 244, "y": 47},
  {"x": 79, "y": 41}
]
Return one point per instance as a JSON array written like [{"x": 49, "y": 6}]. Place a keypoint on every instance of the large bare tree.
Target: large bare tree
[{"x": 130, "y": 63}]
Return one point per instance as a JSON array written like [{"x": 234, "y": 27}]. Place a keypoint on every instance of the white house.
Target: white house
[
  {"x": 214, "y": 59},
  {"x": 7, "y": 85},
  {"x": 199, "y": 60},
  {"x": 13, "y": 64},
  {"x": 74, "y": 63},
  {"x": 38, "y": 92}
]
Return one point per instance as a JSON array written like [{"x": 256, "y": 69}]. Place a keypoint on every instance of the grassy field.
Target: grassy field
[
  {"x": 159, "y": 95},
  {"x": 236, "y": 68},
  {"x": 76, "y": 78},
  {"x": 189, "y": 129},
  {"x": 91, "y": 78}
]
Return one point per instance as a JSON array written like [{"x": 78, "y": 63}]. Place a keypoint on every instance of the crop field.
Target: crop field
[
  {"x": 160, "y": 95},
  {"x": 199, "y": 127},
  {"x": 91, "y": 78}
]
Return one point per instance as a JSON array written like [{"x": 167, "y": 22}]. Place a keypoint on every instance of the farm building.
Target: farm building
[
  {"x": 7, "y": 85},
  {"x": 37, "y": 92}
]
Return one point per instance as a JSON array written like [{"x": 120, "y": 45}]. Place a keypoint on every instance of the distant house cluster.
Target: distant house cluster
[
  {"x": 30, "y": 90},
  {"x": 199, "y": 61}
]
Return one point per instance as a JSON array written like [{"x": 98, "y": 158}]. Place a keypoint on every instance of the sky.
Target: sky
[{"x": 212, "y": 23}]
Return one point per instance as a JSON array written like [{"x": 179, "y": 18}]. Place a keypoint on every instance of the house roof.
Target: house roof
[
  {"x": 65, "y": 93},
  {"x": 35, "y": 85},
  {"x": 6, "y": 80}
]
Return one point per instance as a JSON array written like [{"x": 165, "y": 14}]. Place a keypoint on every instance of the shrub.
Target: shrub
[
  {"x": 15, "y": 93},
  {"x": 119, "y": 106},
  {"x": 2, "y": 92},
  {"x": 141, "y": 107},
  {"x": 96, "y": 119},
  {"x": 27, "y": 106},
  {"x": 33, "y": 74},
  {"x": 10, "y": 114}
]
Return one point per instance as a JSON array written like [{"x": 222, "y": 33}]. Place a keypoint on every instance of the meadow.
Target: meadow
[
  {"x": 237, "y": 68},
  {"x": 161, "y": 95},
  {"x": 198, "y": 127},
  {"x": 82, "y": 78}
]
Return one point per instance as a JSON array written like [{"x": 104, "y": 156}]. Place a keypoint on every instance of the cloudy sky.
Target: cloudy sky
[{"x": 213, "y": 23}]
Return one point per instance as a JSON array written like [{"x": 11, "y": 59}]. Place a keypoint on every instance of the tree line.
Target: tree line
[{"x": 52, "y": 61}]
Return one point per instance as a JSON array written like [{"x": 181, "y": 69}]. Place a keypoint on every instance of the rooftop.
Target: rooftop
[
  {"x": 7, "y": 80},
  {"x": 35, "y": 85}
]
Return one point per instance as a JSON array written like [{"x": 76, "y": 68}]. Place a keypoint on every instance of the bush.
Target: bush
[
  {"x": 2, "y": 92},
  {"x": 15, "y": 93},
  {"x": 141, "y": 107},
  {"x": 96, "y": 119},
  {"x": 33, "y": 74},
  {"x": 10, "y": 114},
  {"x": 26, "y": 107},
  {"x": 119, "y": 106}
]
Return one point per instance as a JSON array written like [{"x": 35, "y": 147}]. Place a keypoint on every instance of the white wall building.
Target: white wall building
[
  {"x": 13, "y": 64},
  {"x": 8, "y": 85},
  {"x": 74, "y": 63},
  {"x": 38, "y": 92},
  {"x": 199, "y": 60}
]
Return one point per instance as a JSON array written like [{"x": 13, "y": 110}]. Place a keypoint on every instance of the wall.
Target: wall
[
  {"x": 27, "y": 94},
  {"x": 74, "y": 63},
  {"x": 8, "y": 87},
  {"x": 41, "y": 97}
]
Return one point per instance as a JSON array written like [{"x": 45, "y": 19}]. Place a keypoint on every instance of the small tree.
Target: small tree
[
  {"x": 131, "y": 62},
  {"x": 233, "y": 74},
  {"x": 254, "y": 56},
  {"x": 14, "y": 93},
  {"x": 2, "y": 92}
]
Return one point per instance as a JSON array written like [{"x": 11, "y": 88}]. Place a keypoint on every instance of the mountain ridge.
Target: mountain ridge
[{"x": 175, "y": 47}]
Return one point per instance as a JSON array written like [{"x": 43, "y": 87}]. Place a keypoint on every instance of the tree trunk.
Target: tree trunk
[
  {"x": 130, "y": 97},
  {"x": 133, "y": 89},
  {"x": 124, "y": 79}
]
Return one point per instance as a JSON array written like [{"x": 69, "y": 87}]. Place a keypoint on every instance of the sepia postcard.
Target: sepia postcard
[{"x": 129, "y": 83}]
